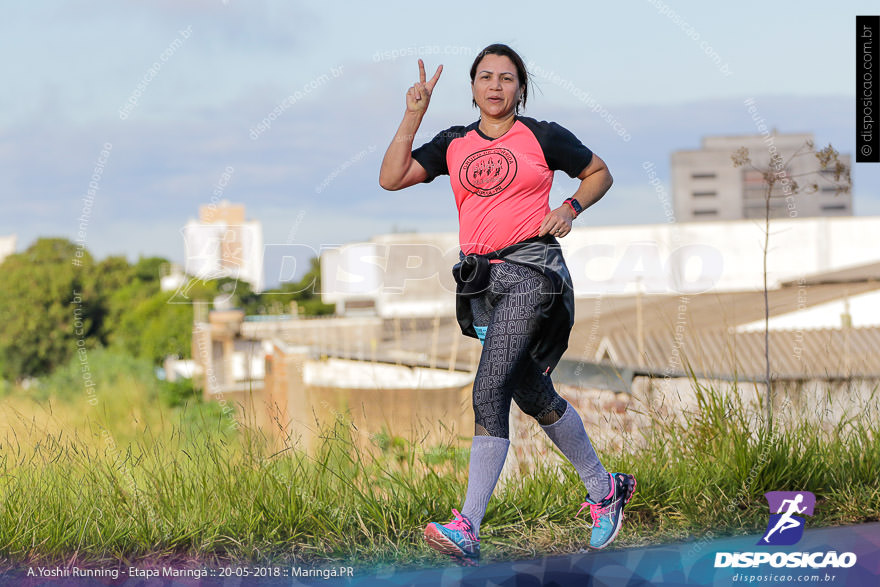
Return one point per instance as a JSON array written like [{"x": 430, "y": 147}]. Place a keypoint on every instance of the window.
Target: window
[
  {"x": 703, "y": 175},
  {"x": 705, "y": 212},
  {"x": 705, "y": 194},
  {"x": 831, "y": 207}
]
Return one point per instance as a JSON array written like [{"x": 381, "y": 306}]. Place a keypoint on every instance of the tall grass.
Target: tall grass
[{"x": 181, "y": 485}]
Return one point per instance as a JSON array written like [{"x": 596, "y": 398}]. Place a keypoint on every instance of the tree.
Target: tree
[
  {"x": 156, "y": 328},
  {"x": 780, "y": 183},
  {"x": 112, "y": 279},
  {"x": 143, "y": 321},
  {"x": 49, "y": 307},
  {"x": 56, "y": 299},
  {"x": 302, "y": 292},
  {"x": 148, "y": 269},
  {"x": 123, "y": 288}
]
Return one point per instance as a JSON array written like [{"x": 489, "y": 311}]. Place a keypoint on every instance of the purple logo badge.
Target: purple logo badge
[{"x": 785, "y": 526}]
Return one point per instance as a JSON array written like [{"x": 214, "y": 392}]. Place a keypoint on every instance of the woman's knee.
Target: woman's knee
[{"x": 545, "y": 408}]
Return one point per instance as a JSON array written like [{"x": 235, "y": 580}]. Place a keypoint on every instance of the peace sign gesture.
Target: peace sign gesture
[{"x": 418, "y": 96}]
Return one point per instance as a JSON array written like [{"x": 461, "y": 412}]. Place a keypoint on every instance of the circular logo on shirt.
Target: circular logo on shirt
[{"x": 488, "y": 172}]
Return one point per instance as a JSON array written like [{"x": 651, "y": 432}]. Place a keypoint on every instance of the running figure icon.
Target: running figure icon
[
  {"x": 786, "y": 522},
  {"x": 785, "y": 526}
]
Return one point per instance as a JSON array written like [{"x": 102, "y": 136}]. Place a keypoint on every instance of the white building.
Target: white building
[
  {"x": 392, "y": 275},
  {"x": 7, "y": 246},
  {"x": 706, "y": 185},
  {"x": 410, "y": 275},
  {"x": 223, "y": 244}
]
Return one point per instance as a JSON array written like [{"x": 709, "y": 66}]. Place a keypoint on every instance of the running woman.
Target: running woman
[{"x": 513, "y": 288}]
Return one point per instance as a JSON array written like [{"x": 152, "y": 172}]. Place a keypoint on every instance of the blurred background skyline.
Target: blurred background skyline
[{"x": 288, "y": 107}]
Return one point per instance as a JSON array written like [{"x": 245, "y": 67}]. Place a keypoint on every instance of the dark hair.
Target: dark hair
[{"x": 521, "y": 72}]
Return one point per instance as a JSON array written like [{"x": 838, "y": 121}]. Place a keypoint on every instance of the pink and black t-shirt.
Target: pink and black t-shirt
[{"x": 502, "y": 186}]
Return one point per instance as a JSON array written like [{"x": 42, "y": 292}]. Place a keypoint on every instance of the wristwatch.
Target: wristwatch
[{"x": 575, "y": 205}]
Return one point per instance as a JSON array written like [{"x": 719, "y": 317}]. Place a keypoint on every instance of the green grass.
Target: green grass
[{"x": 133, "y": 479}]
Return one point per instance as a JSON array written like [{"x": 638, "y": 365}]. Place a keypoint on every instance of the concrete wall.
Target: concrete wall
[
  {"x": 302, "y": 405},
  {"x": 358, "y": 335},
  {"x": 616, "y": 419}
]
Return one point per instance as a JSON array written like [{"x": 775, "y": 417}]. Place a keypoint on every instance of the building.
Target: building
[
  {"x": 707, "y": 186},
  {"x": 221, "y": 243},
  {"x": 398, "y": 375},
  {"x": 171, "y": 277},
  {"x": 401, "y": 274},
  {"x": 658, "y": 307},
  {"x": 7, "y": 246},
  {"x": 406, "y": 275}
]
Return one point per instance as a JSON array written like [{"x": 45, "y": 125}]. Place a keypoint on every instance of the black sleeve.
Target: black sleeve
[
  {"x": 432, "y": 155},
  {"x": 562, "y": 150}
]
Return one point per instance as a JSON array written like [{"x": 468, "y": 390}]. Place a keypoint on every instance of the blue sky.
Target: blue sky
[{"x": 667, "y": 72}]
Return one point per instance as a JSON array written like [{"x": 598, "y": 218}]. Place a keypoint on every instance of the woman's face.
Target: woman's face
[{"x": 496, "y": 86}]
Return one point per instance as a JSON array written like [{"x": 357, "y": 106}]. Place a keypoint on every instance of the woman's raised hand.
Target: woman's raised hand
[{"x": 418, "y": 96}]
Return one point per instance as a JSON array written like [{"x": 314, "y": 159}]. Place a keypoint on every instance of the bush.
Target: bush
[
  {"x": 101, "y": 370},
  {"x": 177, "y": 393}
]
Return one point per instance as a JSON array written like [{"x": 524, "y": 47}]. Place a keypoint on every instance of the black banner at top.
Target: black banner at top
[{"x": 867, "y": 88}]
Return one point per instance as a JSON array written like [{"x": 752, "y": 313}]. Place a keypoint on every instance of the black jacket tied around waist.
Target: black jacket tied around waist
[{"x": 544, "y": 254}]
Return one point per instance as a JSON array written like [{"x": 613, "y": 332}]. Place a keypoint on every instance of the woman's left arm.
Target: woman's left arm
[{"x": 595, "y": 182}]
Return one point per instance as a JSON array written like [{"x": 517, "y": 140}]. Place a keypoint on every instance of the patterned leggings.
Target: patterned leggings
[{"x": 510, "y": 311}]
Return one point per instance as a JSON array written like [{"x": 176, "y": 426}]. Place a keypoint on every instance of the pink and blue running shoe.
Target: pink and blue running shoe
[
  {"x": 608, "y": 513},
  {"x": 457, "y": 539}
]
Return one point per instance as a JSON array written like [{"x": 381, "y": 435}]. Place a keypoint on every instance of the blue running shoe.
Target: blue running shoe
[
  {"x": 457, "y": 539},
  {"x": 608, "y": 513}
]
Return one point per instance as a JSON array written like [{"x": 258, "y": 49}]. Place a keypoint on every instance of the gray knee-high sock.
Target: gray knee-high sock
[
  {"x": 487, "y": 459},
  {"x": 570, "y": 437}
]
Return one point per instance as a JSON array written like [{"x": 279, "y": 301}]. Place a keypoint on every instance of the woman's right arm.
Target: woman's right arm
[{"x": 399, "y": 170}]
